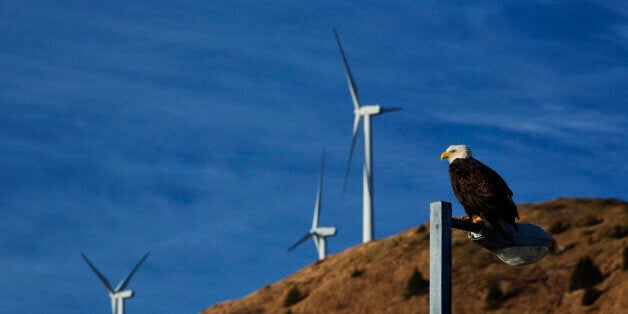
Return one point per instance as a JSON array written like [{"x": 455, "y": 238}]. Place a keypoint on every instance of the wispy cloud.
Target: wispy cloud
[{"x": 578, "y": 127}]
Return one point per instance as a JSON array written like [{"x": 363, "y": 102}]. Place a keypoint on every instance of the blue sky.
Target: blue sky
[{"x": 194, "y": 131}]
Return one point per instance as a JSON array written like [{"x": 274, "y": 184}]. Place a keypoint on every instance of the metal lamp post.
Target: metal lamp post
[{"x": 531, "y": 244}]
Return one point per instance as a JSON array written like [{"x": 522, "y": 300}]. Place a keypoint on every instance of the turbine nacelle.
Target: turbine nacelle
[
  {"x": 324, "y": 231},
  {"x": 368, "y": 110},
  {"x": 122, "y": 294}
]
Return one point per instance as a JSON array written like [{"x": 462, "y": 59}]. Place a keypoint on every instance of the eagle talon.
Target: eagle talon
[{"x": 477, "y": 220}]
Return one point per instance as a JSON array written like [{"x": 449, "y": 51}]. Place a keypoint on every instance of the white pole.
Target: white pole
[
  {"x": 114, "y": 305},
  {"x": 322, "y": 252},
  {"x": 440, "y": 258},
  {"x": 367, "y": 183}
]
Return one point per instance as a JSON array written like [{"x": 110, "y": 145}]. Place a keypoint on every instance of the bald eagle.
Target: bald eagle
[{"x": 480, "y": 190}]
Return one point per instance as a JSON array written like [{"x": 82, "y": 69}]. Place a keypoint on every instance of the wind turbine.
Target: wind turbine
[
  {"x": 364, "y": 112},
  {"x": 319, "y": 234},
  {"x": 117, "y": 295}
]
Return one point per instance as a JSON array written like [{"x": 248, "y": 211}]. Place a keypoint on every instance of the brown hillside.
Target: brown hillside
[{"x": 372, "y": 278}]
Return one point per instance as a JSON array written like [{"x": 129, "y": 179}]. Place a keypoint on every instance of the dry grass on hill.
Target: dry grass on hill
[{"x": 372, "y": 277}]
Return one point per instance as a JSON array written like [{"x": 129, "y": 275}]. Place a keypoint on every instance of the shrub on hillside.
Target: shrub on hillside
[
  {"x": 589, "y": 221},
  {"x": 293, "y": 297},
  {"x": 494, "y": 298},
  {"x": 585, "y": 275},
  {"x": 559, "y": 227},
  {"x": 357, "y": 273},
  {"x": 416, "y": 285},
  {"x": 619, "y": 232}
]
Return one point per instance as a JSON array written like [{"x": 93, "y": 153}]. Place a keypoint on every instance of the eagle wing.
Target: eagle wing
[{"x": 482, "y": 191}]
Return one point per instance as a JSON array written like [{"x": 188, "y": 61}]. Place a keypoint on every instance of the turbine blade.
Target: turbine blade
[
  {"x": 385, "y": 110},
  {"x": 100, "y": 276},
  {"x": 319, "y": 194},
  {"x": 356, "y": 124},
  {"x": 303, "y": 239},
  {"x": 317, "y": 240},
  {"x": 126, "y": 280},
  {"x": 352, "y": 86}
]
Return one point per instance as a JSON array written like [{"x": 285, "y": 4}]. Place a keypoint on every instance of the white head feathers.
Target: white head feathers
[{"x": 454, "y": 152}]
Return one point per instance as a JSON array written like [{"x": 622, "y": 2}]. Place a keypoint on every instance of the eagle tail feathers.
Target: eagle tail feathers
[{"x": 500, "y": 226}]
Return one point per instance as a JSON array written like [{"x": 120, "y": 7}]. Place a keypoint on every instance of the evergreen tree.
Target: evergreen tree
[
  {"x": 585, "y": 275},
  {"x": 494, "y": 297},
  {"x": 417, "y": 285},
  {"x": 293, "y": 297}
]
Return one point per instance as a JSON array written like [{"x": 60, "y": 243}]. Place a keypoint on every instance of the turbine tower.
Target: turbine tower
[
  {"x": 117, "y": 295},
  {"x": 319, "y": 234},
  {"x": 362, "y": 112}
]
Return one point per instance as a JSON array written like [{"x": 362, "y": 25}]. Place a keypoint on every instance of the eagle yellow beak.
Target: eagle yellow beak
[{"x": 444, "y": 155}]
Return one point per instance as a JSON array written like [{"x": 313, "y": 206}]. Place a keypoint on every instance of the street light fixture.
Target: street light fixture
[
  {"x": 530, "y": 245},
  {"x": 531, "y": 242}
]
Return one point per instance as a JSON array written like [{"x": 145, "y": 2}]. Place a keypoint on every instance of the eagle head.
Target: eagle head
[{"x": 454, "y": 152}]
